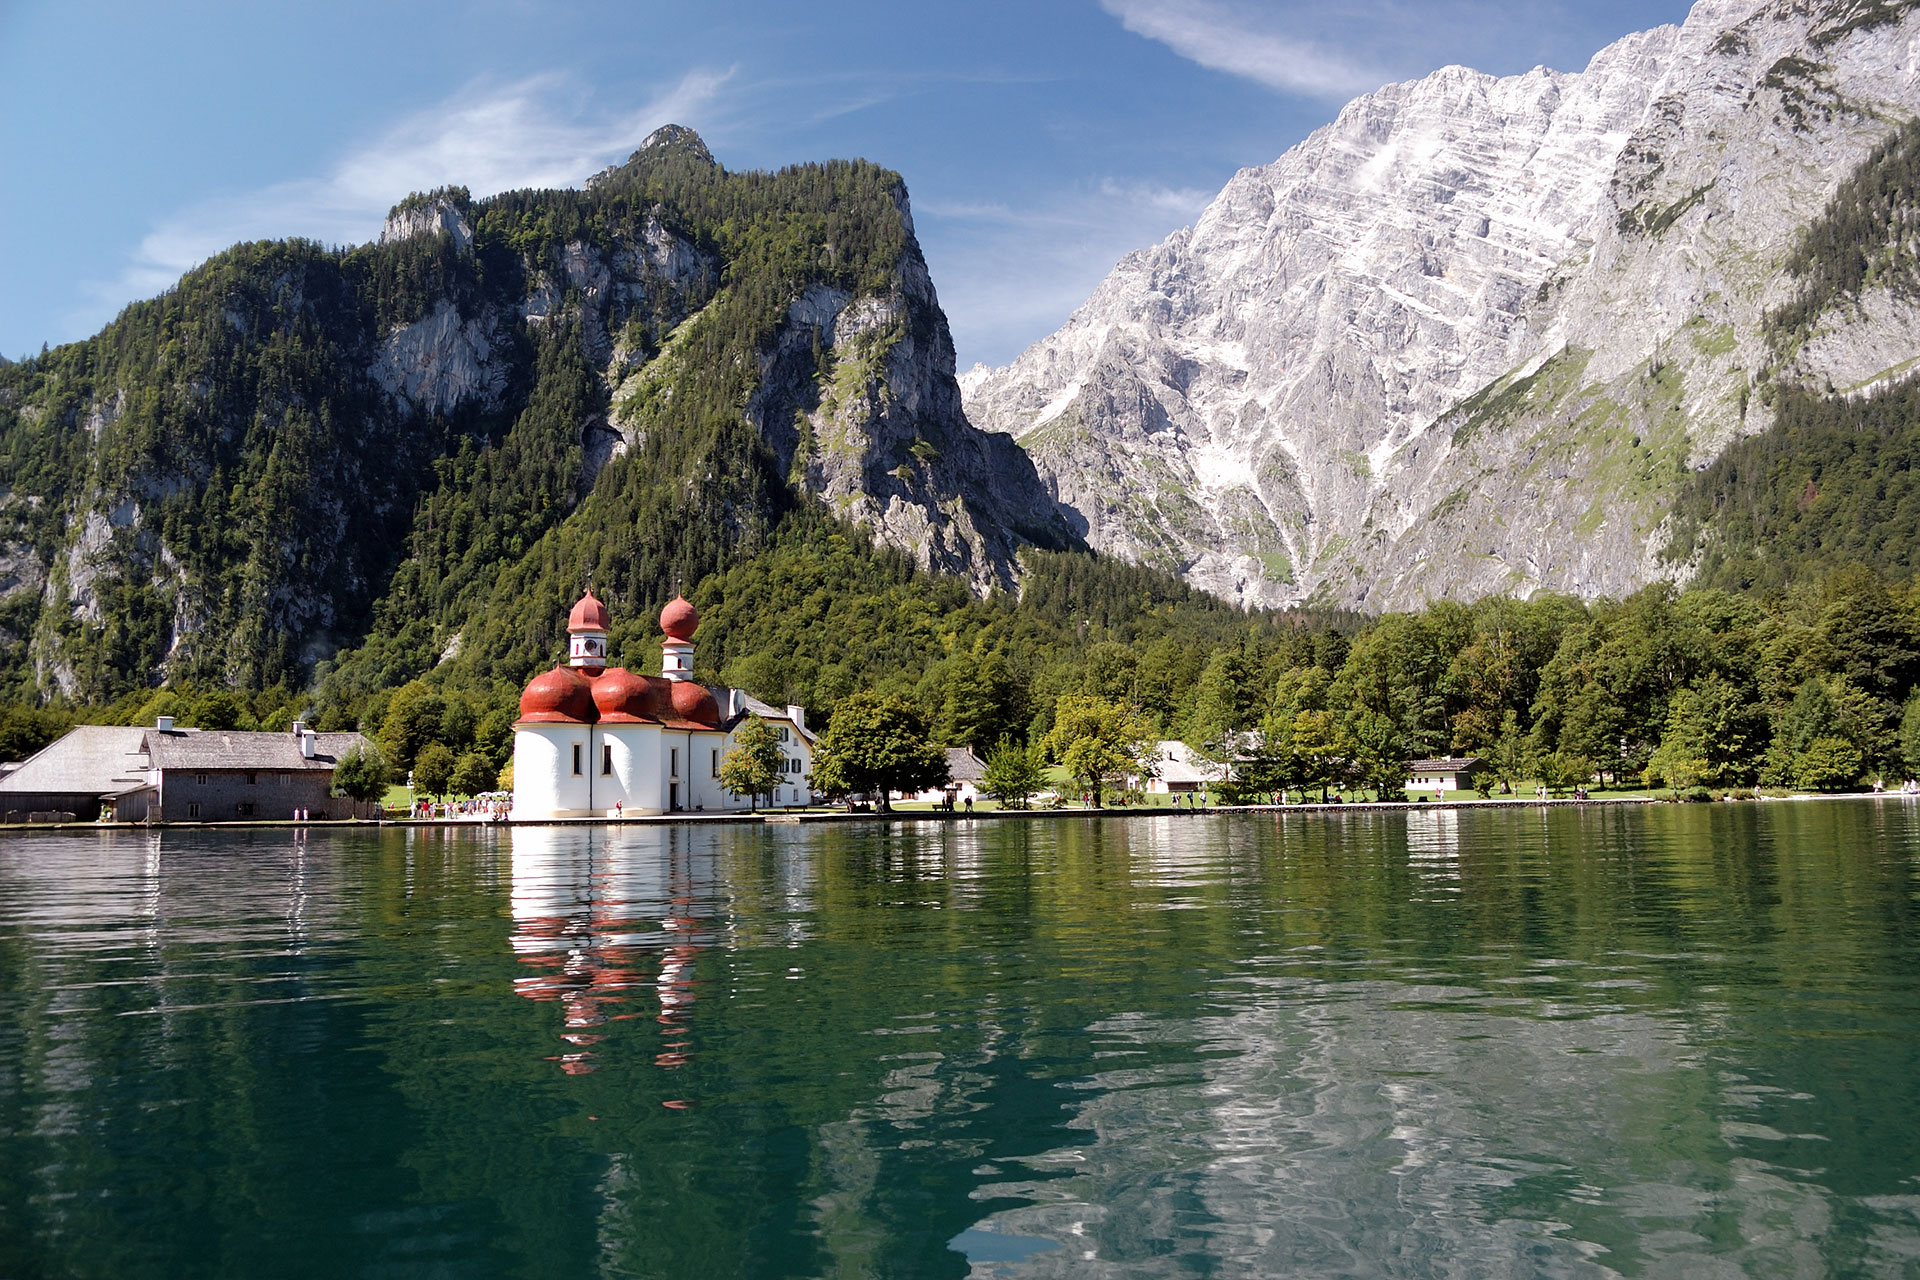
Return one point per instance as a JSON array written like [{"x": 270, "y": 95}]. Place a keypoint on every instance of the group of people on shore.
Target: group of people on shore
[{"x": 480, "y": 809}]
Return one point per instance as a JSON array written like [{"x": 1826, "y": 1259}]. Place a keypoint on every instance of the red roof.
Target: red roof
[
  {"x": 559, "y": 696},
  {"x": 679, "y": 618},
  {"x": 588, "y": 615},
  {"x": 695, "y": 702},
  {"x": 622, "y": 697}
]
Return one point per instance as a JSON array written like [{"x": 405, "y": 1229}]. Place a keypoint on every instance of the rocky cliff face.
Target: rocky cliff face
[
  {"x": 859, "y": 400},
  {"x": 1469, "y": 337},
  {"x": 297, "y": 443}
]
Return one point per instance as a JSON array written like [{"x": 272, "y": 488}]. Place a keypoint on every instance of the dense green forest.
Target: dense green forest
[{"x": 1811, "y": 686}]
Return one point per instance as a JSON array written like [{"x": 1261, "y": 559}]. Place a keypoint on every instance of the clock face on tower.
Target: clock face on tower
[{"x": 589, "y": 647}]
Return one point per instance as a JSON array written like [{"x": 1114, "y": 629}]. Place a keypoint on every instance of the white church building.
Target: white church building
[{"x": 594, "y": 741}]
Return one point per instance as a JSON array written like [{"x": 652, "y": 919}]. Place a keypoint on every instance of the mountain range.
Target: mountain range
[
  {"x": 424, "y": 448},
  {"x": 1477, "y": 336}
]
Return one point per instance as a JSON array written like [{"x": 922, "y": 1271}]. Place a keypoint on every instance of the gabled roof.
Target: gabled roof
[
  {"x": 1443, "y": 764},
  {"x": 1180, "y": 763},
  {"x": 237, "y": 749},
  {"x": 964, "y": 766},
  {"x": 751, "y": 705},
  {"x": 88, "y": 758}
]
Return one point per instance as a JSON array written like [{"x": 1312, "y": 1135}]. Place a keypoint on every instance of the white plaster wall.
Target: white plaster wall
[
  {"x": 708, "y": 794},
  {"x": 649, "y": 768},
  {"x": 615, "y": 788},
  {"x": 672, "y": 740},
  {"x": 636, "y": 783},
  {"x": 543, "y": 781}
]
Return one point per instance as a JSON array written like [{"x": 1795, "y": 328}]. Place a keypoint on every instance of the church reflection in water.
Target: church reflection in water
[{"x": 606, "y": 924}]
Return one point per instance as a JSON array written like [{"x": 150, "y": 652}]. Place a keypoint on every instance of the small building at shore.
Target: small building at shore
[
  {"x": 595, "y": 741},
  {"x": 168, "y": 774},
  {"x": 1444, "y": 773},
  {"x": 1180, "y": 770},
  {"x": 965, "y": 770}
]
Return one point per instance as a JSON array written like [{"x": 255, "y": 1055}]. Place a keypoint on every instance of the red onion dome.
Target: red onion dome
[
  {"x": 623, "y": 697},
  {"x": 659, "y": 703},
  {"x": 559, "y": 696},
  {"x": 695, "y": 702},
  {"x": 679, "y": 618},
  {"x": 588, "y": 615}
]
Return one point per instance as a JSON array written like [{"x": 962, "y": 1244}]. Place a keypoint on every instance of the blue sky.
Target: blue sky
[{"x": 1040, "y": 141}]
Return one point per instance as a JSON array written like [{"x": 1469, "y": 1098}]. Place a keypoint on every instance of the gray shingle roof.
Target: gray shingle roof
[
  {"x": 964, "y": 766},
  {"x": 89, "y": 759},
  {"x": 1442, "y": 764},
  {"x": 765, "y": 711},
  {"x": 1177, "y": 762},
  {"x": 235, "y": 749}
]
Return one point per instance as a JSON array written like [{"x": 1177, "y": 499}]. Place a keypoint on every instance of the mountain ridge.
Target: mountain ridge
[
  {"x": 1470, "y": 337},
  {"x": 298, "y": 448}
]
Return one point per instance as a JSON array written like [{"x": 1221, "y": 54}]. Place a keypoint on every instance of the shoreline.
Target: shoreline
[{"x": 817, "y": 816}]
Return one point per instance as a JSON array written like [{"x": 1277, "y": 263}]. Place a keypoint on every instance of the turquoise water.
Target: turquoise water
[{"x": 1678, "y": 1040}]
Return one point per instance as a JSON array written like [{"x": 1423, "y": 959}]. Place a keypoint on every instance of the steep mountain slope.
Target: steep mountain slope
[
  {"x": 425, "y": 441},
  {"x": 1473, "y": 336},
  {"x": 1834, "y": 480}
]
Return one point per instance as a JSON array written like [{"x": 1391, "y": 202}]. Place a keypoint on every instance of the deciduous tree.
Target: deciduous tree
[
  {"x": 472, "y": 774},
  {"x": 361, "y": 774},
  {"x": 756, "y": 764},
  {"x": 1014, "y": 773},
  {"x": 433, "y": 769},
  {"x": 877, "y": 744},
  {"x": 1098, "y": 741}
]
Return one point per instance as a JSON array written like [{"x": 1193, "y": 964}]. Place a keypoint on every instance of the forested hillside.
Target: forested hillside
[
  {"x": 364, "y": 485},
  {"x": 1832, "y": 481},
  {"x": 425, "y": 447}
]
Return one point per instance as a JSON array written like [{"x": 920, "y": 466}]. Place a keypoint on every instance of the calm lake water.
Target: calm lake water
[{"x": 1678, "y": 1040}]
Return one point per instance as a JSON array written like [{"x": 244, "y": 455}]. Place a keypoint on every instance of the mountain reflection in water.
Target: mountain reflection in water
[{"x": 1599, "y": 1042}]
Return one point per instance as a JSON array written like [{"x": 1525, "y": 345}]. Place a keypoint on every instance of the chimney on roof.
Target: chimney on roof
[
  {"x": 164, "y": 724},
  {"x": 307, "y": 740},
  {"x": 799, "y": 717}
]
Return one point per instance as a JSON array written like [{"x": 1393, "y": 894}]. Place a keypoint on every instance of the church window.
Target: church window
[
  {"x": 716, "y": 762},
  {"x": 606, "y": 759},
  {"x": 576, "y": 759},
  {"x": 193, "y": 808},
  {"x": 673, "y": 767}
]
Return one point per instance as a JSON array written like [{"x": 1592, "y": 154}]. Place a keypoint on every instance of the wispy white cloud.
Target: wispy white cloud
[
  {"x": 1335, "y": 49},
  {"x": 1248, "y": 45},
  {"x": 1183, "y": 202},
  {"x": 1009, "y": 274},
  {"x": 532, "y": 133}
]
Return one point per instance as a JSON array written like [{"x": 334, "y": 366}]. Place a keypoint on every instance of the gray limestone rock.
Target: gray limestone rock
[{"x": 1471, "y": 336}]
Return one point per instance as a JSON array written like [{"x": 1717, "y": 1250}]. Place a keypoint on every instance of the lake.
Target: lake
[{"x": 1644, "y": 1041}]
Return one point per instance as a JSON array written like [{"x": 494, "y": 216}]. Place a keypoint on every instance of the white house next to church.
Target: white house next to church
[{"x": 597, "y": 741}]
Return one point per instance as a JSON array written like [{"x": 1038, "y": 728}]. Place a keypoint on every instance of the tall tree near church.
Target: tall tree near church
[
  {"x": 755, "y": 765},
  {"x": 877, "y": 744}
]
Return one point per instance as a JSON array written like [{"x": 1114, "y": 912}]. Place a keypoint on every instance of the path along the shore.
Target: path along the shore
[{"x": 781, "y": 816}]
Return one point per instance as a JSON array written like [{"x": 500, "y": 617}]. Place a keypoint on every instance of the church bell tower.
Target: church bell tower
[{"x": 587, "y": 636}]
